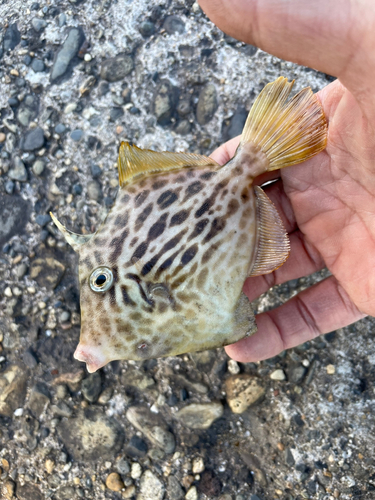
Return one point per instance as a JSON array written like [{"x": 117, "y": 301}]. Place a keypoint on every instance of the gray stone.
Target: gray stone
[
  {"x": 47, "y": 272},
  {"x": 136, "y": 448},
  {"x": 200, "y": 416},
  {"x": 25, "y": 115},
  {"x": 43, "y": 219},
  {"x": 9, "y": 187},
  {"x": 38, "y": 24},
  {"x": 38, "y": 65},
  {"x": 10, "y": 142},
  {"x": 62, "y": 19},
  {"x": 288, "y": 457},
  {"x": 147, "y": 28},
  {"x": 296, "y": 373},
  {"x": 183, "y": 127},
  {"x": 91, "y": 436},
  {"x": 76, "y": 134},
  {"x": 174, "y": 24},
  {"x": 91, "y": 387},
  {"x": 29, "y": 359},
  {"x": 62, "y": 409},
  {"x": 12, "y": 37},
  {"x": 66, "y": 55},
  {"x": 33, "y": 139},
  {"x": 38, "y": 167},
  {"x": 152, "y": 426},
  {"x": 39, "y": 399},
  {"x": 12, "y": 389},
  {"x": 64, "y": 493},
  {"x": 14, "y": 212},
  {"x": 164, "y": 102},
  {"x": 117, "y": 68},
  {"x": 18, "y": 172},
  {"x": 60, "y": 128},
  {"x": 122, "y": 466},
  {"x": 150, "y": 487},
  {"x": 184, "y": 107},
  {"x": 174, "y": 489},
  {"x": 21, "y": 270},
  {"x": 94, "y": 191},
  {"x": 207, "y": 104}
]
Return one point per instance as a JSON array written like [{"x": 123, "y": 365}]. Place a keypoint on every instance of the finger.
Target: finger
[
  {"x": 322, "y": 34},
  {"x": 320, "y": 309},
  {"x": 304, "y": 259}
]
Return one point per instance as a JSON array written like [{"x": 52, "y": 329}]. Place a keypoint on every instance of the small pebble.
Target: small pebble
[
  {"x": 49, "y": 465},
  {"x": 198, "y": 465},
  {"x": 278, "y": 375},
  {"x": 2, "y": 137},
  {"x": 114, "y": 482},
  {"x": 330, "y": 369},
  {"x": 77, "y": 134},
  {"x": 136, "y": 471},
  {"x": 192, "y": 493},
  {"x": 38, "y": 167},
  {"x": 233, "y": 367}
]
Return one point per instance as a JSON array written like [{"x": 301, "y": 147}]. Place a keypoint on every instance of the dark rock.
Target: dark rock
[
  {"x": 236, "y": 125},
  {"x": 103, "y": 88},
  {"x": 39, "y": 399},
  {"x": 46, "y": 272},
  {"x": 174, "y": 24},
  {"x": 147, "y": 28},
  {"x": 255, "y": 497},
  {"x": 28, "y": 491},
  {"x": 91, "y": 436},
  {"x": 77, "y": 134},
  {"x": 12, "y": 37},
  {"x": 115, "y": 114},
  {"x": 27, "y": 60},
  {"x": 136, "y": 448},
  {"x": 296, "y": 373},
  {"x": 96, "y": 171},
  {"x": 62, "y": 409},
  {"x": 14, "y": 212},
  {"x": 209, "y": 484},
  {"x": 35, "y": 6},
  {"x": 91, "y": 387},
  {"x": 13, "y": 102},
  {"x": 116, "y": 68},
  {"x": 165, "y": 98},
  {"x": 207, "y": 104},
  {"x": 152, "y": 426},
  {"x": 77, "y": 189},
  {"x": 38, "y": 65},
  {"x": 42, "y": 219},
  {"x": 65, "y": 58},
  {"x": 174, "y": 489},
  {"x": 33, "y": 139},
  {"x": 134, "y": 110},
  {"x": 38, "y": 24}
]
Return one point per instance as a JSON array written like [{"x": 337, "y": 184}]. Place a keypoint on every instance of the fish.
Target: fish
[{"x": 163, "y": 274}]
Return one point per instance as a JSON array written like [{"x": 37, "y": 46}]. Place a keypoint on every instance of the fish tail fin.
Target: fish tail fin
[{"x": 287, "y": 132}]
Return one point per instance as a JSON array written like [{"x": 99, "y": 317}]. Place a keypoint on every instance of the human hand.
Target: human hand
[{"x": 328, "y": 203}]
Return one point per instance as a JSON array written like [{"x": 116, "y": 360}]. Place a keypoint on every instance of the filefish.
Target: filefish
[{"x": 163, "y": 274}]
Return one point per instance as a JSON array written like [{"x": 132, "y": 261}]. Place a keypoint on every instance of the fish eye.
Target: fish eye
[{"x": 101, "y": 279}]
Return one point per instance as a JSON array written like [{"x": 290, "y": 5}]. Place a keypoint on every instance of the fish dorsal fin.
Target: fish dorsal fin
[
  {"x": 273, "y": 243},
  {"x": 133, "y": 161}
]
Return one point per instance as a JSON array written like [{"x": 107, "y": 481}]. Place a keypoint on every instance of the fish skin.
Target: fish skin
[{"x": 180, "y": 241}]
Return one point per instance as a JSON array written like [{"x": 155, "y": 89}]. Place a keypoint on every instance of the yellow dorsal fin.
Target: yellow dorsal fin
[
  {"x": 133, "y": 161},
  {"x": 273, "y": 243}
]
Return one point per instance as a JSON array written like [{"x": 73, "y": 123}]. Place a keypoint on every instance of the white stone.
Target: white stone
[
  {"x": 233, "y": 367},
  {"x": 278, "y": 375},
  {"x": 192, "y": 493},
  {"x": 198, "y": 465},
  {"x": 136, "y": 471}
]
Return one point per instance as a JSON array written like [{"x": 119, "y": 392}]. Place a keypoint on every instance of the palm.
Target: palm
[{"x": 328, "y": 203}]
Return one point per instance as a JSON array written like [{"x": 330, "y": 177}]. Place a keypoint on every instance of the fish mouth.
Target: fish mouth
[{"x": 92, "y": 356}]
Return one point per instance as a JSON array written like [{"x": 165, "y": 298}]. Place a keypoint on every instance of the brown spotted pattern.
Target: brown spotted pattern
[{"x": 180, "y": 246}]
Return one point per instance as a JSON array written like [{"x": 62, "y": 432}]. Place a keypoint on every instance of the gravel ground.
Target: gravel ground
[{"x": 76, "y": 78}]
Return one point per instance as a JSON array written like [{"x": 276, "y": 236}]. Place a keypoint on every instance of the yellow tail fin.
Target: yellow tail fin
[{"x": 286, "y": 132}]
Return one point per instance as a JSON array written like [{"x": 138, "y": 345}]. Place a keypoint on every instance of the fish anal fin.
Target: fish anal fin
[
  {"x": 133, "y": 162},
  {"x": 273, "y": 243}
]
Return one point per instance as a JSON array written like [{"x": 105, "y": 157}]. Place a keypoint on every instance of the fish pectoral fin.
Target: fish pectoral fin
[
  {"x": 273, "y": 245},
  {"x": 133, "y": 161}
]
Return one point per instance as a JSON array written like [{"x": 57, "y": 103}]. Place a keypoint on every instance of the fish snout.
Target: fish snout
[{"x": 92, "y": 356}]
